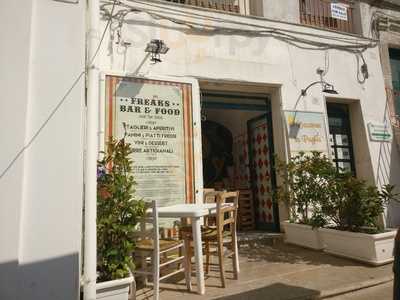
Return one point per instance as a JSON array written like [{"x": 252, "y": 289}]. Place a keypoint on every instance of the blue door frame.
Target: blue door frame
[{"x": 264, "y": 106}]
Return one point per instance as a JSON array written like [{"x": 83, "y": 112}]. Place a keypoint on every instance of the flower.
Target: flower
[
  {"x": 104, "y": 193},
  {"x": 101, "y": 172}
]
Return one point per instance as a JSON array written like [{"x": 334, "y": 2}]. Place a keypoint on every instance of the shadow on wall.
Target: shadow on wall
[
  {"x": 53, "y": 279},
  {"x": 277, "y": 291},
  {"x": 393, "y": 213},
  {"x": 388, "y": 172}
]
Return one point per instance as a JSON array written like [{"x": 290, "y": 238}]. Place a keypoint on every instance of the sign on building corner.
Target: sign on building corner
[{"x": 379, "y": 132}]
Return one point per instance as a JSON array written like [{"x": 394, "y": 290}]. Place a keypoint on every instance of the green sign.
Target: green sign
[{"x": 379, "y": 132}]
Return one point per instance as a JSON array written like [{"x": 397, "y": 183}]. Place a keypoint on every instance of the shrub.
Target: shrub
[
  {"x": 356, "y": 206},
  {"x": 317, "y": 194},
  {"x": 306, "y": 179},
  {"x": 118, "y": 212}
]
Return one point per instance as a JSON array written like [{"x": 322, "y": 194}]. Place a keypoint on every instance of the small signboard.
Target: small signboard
[
  {"x": 306, "y": 132},
  {"x": 379, "y": 132},
  {"x": 339, "y": 11}
]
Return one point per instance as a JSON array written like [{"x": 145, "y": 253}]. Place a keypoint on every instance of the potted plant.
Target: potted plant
[
  {"x": 305, "y": 179},
  {"x": 118, "y": 213},
  {"x": 352, "y": 212}
]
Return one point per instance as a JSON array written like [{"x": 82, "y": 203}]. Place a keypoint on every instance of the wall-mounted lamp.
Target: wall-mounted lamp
[
  {"x": 155, "y": 48},
  {"x": 326, "y": 87}
]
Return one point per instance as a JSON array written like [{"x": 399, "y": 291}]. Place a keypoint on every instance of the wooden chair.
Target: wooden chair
[
  {"x": 220, "y": 235},
  {"x": 154, "y": 253}
]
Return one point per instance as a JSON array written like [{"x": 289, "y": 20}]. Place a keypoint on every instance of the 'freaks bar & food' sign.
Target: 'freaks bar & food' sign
[{"x": 155, "y": 118}]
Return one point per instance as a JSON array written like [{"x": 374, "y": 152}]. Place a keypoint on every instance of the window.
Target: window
[
  {"x": 340, "y": 137},
  {"x": 394, "y": 55}
]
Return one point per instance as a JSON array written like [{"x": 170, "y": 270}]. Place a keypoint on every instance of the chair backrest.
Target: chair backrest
[
  {"x": 150, "y": 217},
  {"x": 210, "y": 196},
  {"x": 227, "y": 214}
]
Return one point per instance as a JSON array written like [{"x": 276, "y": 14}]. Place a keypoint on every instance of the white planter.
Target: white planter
[
  {"x": 302, "y": 235},
  {"x": 374, "y": 249},
  {"x": 114, "y": 290}
]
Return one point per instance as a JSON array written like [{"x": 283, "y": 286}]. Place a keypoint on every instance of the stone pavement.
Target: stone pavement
[
  {"x": 277, "y": 271},
  {"x": 381, "y": 292}
]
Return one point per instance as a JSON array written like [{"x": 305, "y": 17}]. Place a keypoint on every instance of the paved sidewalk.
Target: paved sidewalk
[
  {"x": 381, "y": 292},
  {"x": 283, "y": 272}
]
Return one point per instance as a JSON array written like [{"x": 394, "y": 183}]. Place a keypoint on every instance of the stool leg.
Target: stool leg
[
  {"x": 221, "y": 261},
  {"x": 235, "y": 256},
  {"x": 207, "y": 257}
]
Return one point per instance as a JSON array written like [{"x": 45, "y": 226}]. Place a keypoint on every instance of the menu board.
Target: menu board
[
  {"x": 306, "y": 132},
  {"x": 153, "y": 117}
]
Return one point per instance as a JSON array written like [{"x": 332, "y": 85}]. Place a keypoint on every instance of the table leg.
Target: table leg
[{"x": 198, "y": 254}]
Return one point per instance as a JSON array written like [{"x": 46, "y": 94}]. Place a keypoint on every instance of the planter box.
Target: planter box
[
  {"x": 374, "y": 249},
  {"x": 114, "y": 290},
  {"x": 302, "y": 235}
]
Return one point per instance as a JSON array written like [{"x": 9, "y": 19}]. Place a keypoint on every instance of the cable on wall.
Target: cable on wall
[
  {"x": 213, "y": 25},
  {"x": 61, "y": 101}
]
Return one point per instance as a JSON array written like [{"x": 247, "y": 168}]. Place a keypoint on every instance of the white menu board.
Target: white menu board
[{"x": 151, "y": 117}]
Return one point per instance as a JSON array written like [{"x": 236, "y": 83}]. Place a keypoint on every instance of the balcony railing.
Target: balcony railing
[
  {"x": 224, "y": 5},
  {"x": 319, "y": 13}
]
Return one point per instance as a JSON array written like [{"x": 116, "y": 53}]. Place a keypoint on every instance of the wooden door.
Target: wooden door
[{"x": 262, "y": 176}]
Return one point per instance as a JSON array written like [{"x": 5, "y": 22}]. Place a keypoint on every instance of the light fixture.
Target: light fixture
[
  {"x": 326, "y": 87},
  {"x": 329, "y": 89},
  {"x": 155, "y": 48}
]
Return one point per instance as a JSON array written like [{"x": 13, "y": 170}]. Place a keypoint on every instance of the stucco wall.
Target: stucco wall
[
  {"x": 265, "y": 61},
  {"x": 287, "y": 10},
  {"x": 41, "y": 194},
  {"x": 14, "y": 59}
]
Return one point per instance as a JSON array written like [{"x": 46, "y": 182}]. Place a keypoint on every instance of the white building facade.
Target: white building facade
[{"x": 233, "y": 53}]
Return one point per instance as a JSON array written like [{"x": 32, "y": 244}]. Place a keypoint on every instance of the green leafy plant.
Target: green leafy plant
[
  {"x": 353, "y": 205},
  {"x": 305, "y": 181},
  {"x": 118, "y": 212},
  {"x": 317, "y": 194}
]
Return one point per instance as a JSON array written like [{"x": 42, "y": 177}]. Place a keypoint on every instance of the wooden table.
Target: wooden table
[{"x": 195, "y": 212}]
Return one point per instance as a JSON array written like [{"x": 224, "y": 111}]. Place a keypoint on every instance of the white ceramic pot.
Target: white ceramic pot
[
  {"x": 374, "y": 249},
  {"x": 302, "y": 235},
  {"x": 114, "y": 289}
]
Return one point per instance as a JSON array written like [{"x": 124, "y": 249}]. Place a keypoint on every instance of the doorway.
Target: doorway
[{"x": 238, "y": 151}]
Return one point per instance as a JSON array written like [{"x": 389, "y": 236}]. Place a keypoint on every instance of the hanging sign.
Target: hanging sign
[
  {"x": 156, "y": 119},
  {"x": 306, "y": 132},
  {"x": 379, "y": 132},
  {"x": 339, "y": 11}
]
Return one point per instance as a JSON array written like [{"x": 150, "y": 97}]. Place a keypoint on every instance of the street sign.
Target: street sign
[
  {"x": 379, "y": 132},
  {"x": 339, "y": 11}
]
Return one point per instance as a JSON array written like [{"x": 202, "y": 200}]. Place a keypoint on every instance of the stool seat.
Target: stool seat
[
  {"x": 148, "y": 244},
  {"x": 207, "y": 232}
]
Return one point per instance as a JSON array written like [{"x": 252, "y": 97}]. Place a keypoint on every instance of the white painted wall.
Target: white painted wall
[
  {"x": 14, "y": 59},
  {"x": 286, "y": 10},
  {"x": 258, "y": 60},
  {"x": 42, "y": 53}
]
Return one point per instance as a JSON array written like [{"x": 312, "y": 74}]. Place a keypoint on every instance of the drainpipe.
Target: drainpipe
[{"x": 92, "y": 114}]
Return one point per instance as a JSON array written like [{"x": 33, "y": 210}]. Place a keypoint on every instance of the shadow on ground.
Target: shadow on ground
[
  {"x": 277, "y": 291},
  {"x": 280, "y": 252}
]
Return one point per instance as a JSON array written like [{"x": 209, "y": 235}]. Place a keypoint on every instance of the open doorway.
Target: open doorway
[{"x": 238, "y": 153}]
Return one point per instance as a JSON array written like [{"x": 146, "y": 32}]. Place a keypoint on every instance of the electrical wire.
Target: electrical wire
[
  {"x": 212, "y": 25},
  {"x": 61, "y": 102},
  {"x": 355, "y": 41}
]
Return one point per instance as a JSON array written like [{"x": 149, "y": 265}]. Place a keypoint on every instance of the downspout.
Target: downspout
[{"x": 92, "y": 113}]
